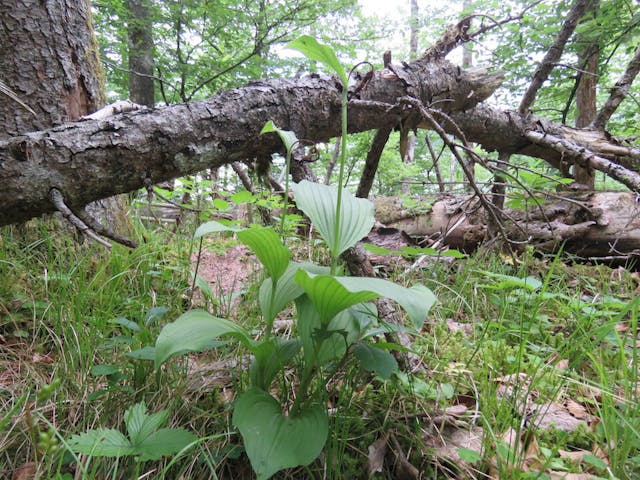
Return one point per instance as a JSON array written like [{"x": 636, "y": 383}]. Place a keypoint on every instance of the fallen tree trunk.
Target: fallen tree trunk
[
  {"x": 603, "y": 225},
  {"x": 93, "y": 159}
]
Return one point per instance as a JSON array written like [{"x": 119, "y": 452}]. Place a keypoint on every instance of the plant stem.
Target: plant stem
[
  {"x": 286, "y": 195},
  {"x": 302, "y": 390},
  {"x": 307, "y": 375},
  {"x": 343, "y": 156},
  {"x": 271, "y": 317}
]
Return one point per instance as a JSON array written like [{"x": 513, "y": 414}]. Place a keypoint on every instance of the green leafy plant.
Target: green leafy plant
[
  {"x": 146, "y": 439},
  {"x": 335, "y": 320}
]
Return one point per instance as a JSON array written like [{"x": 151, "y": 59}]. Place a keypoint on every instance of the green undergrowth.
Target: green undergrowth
[{"x": 543, "y": 330}]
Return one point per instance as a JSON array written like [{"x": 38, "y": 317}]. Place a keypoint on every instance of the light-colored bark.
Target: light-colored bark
[{"x": 588, "y": 224}]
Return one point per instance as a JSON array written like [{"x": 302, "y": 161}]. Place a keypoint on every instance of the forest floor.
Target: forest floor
[{"x": 528, "y": 365}]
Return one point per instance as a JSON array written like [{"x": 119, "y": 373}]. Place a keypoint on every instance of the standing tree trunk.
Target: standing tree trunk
[
  {"x": 140, "y": 34},
  {"x": 49, "y": 57},
  {"x": 586, "y": 93},
  {"x": 467, "y": 62},
  {"x": 407, "y": 137}
]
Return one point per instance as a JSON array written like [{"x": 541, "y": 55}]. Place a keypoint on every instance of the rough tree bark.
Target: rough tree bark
[
  {"x": 587, "y": 82},
  {"x": 140, "y": 37},
  {"x": 49, "y": 57},
  {"x": 97, "y": 158}
]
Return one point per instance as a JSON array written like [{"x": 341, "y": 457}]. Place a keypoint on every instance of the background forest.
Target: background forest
[{"x": 265, "y": 325}]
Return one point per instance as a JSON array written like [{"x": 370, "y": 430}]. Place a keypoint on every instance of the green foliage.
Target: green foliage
[
  {"x": 201, "y": 47},
  {"x": 147, "y": 439},
  {"x": 319, "y": 203},
  {"x": 194, "y": 331},
  {"x": 274, "y": 441},
  {"x": 328, "y": 327},
  {"x": 314, "y": 50}
]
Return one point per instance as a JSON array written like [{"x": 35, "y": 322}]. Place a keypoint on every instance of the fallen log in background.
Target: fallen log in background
[{"x": 588, "y": 224}]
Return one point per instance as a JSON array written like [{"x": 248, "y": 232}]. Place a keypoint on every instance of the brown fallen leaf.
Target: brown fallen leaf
[
  {"x": 524, "y": 453},
  {"x": 447, "y": 442},
  {"x": 548, "y": 414},
  {"x": 25, "y": 472},
  {"x": 576, "y": 409},
  {"x": 375, "y": 458}
]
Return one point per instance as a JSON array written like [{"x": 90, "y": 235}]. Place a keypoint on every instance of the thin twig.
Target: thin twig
[
  {"x": 58, "y": 201},
  {"x": 93, "y": 223},
  {"x": 427, "y": 115}
]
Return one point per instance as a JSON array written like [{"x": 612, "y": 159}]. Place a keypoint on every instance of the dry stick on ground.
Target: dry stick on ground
[
  {"x": 618, "y": 92},
  {"x": 554, "y": 53},
  {"x": 405, "y": 469}
]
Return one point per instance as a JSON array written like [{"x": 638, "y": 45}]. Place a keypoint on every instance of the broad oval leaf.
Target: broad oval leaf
[
  {"x": 319, "y": 203},
  {"x": 145, "y": 353},
  {"x": 269, "y": 358},
  {"x": 288, "y": 137},
  {"x": 212, "y": 227},
  {"x": 274, "y": 441},
  {"x": 314, "y": 50},
  {"x": 416, "y": 300},
  {"x": 343, "y": 330},
  {"x": 329, "y": 296},
  {"x": 266, "y": 244},
  {"x": 194, "y": 331},
  {"x": 321, "y": 345},
  {"x": 287, "y": 289},
  {"x": 373, "y": 359}
]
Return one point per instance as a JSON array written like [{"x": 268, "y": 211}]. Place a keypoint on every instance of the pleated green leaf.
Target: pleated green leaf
[
  {"x": 328, "y": 295},
  {"x": 314, "y": 50},
  {"x": 288, "y": 138},
  {"x": 319, "y": 203},
  {"x": 194, "y": 331},
  {"x": 267, "y": 246},
  {"x": 331, "y": 294},
  {"x": 274, "y": 441}
]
